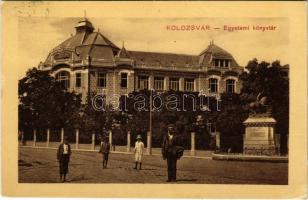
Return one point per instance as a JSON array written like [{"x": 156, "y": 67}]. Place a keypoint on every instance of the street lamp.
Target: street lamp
[{"x": 149, "y": 139}]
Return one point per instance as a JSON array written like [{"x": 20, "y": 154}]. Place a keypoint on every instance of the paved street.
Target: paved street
[{"x": 40, "y": 166}]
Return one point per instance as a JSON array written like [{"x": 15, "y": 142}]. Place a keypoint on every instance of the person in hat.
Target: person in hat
[
  {"x": 172, "y": 151},
  {"x": 63, "y": 156},
  {"x": 138, "y": 150},
  {"x": 105, "y": 149}
]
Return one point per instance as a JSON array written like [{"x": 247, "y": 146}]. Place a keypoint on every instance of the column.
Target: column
[
  {"x": 149, "y": 143},
  {"x": 166, "y": 83},
  {"x": 181, "y": 84},
  {"x": 192, "y": 150},
  {"x": 77, "y": 138},
  {"x": 151, "y": 82},
  {"x": 48, "y": 137},
  {"x": 34, "y": 137},
  {"x": 110, "y": 140},
  {"x": 62, "y": 135},
  {"x": 128, "y": 141},
  {"x": 93, "y": 141},
  {"x": 218, "y": 140}
]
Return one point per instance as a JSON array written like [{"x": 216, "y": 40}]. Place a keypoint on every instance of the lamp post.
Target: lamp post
[{"x": 149, "y": 136}]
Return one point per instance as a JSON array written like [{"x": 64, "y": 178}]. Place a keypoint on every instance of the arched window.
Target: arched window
[
  {"x": 230, "y": 86},
  {"x": 213, "y": 85},
  {"x": 64, "y": 78}
]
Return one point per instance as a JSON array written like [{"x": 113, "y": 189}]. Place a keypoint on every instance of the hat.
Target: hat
[
  {"x": 139, "y": 137},
  {"x": 171, "y": 126}
]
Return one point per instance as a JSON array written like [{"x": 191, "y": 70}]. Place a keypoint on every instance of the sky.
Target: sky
[{"x": 37, "y": 36}]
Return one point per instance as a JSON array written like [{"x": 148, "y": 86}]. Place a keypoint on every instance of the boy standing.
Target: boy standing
[{"x": 105, "y": 149}]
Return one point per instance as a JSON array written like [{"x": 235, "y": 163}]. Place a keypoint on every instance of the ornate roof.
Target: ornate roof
[{"x": 88, "y": 45}]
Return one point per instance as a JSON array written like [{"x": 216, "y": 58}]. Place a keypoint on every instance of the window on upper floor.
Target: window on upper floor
[
  {"x": 222, "y": 62},
  {"x": 213, "y": 85},
  {"x": 174, "y": 84},
  {"x": 64, "y": 78},
  {"x": 230, "y": 86},
  {"x": 143, "y": 82},
  {"x": 78, "y": 80},
  {"x": 101, "y": 80},
  {"x": 159, "y": 83},
  {"x": 189, "y": 84},
  {"x": 123, "y": 80}
]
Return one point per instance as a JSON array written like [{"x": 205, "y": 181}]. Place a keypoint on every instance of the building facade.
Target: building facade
[{"x": 90, "y": 62}]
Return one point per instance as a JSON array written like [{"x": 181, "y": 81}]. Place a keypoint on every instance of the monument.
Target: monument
[{"x": 260, "y": 137}]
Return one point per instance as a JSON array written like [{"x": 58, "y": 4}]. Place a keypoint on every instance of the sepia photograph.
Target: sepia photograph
[
  {"x": 160, "y": 99},
  {"x": 95, "y": 111}
]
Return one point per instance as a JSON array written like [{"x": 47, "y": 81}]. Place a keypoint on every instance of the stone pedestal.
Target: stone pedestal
[{"x": 259, "y": 138}]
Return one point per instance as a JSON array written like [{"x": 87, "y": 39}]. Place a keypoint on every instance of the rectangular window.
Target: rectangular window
[
  {"x": 101, "y": 80},
  {"x": 78, "y": 80},
  {"x": 213, "y": 85},
  {"x": 189, "y": 84},
  {"x": 159, "y": 83},
  {"x": 143, "y": 82},
  {"x": 216, "y": 63},
  {"x": 230, "y": 86},
  {"x": 123, "y": 80},
  {"x": 174, "y": 84}
]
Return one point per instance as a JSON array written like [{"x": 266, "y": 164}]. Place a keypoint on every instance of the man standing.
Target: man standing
[
  {"x": 139, "y": 147},
  {"x": 105, "y": 149},
  {"x": 170, "y": 152},
  {"x": 63, "y": 156}
]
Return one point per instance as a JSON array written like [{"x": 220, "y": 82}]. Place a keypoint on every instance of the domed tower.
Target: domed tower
[
  {"x": 222, "y": 70},
  {"x": 76, "y": 61}
]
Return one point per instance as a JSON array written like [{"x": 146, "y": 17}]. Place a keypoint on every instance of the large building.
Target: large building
[{"x": 90, "y": 62}]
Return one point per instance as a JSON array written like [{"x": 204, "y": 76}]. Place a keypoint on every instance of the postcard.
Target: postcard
[{"x": 154, "y": 99}]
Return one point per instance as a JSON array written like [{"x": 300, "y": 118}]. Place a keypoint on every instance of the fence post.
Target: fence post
[
  {"x": 23, "y": 138},
  {"x": 62, "y": 135},
  {"x": 93, "y": 141},
  {"x": 48, "y": 137},
  {"x": 149, "y": 143},
  {"x": 128, "y": 141},
  {"x": 110, "y": 140},
  {"x": 218, "y": 140},
  {"x": 34, "y": 137},
  {"x": 77, "y": 138},
  {"x": 193, "y": 145}
]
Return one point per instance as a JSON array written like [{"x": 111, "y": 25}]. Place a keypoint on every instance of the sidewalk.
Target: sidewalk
[{"x": 118, "y": 149}]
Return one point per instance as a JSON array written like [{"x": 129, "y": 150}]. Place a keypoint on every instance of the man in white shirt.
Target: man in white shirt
[{"x": 138, "y": 150}]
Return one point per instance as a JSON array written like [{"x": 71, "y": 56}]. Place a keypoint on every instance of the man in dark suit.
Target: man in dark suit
[
  {"x": 105, "y": 149},
  {"x": 63, "y": 156},
  {"x": 170, "y": 149}
]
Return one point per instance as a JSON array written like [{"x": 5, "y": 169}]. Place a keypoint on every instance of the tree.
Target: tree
[
  {"x": 271, "y": 81},
  {"x": 44, "y": 103}
]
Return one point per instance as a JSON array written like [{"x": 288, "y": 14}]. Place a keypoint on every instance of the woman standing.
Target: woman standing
[{"x": 139, "y": 146}]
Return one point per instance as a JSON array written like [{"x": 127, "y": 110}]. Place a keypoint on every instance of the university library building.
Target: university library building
[{"x": 89, "y": 62}]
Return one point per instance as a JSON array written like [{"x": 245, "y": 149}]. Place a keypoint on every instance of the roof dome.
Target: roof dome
[
  {"x": 215, "y": 52},
  {"x": 85, "y": 43}
]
